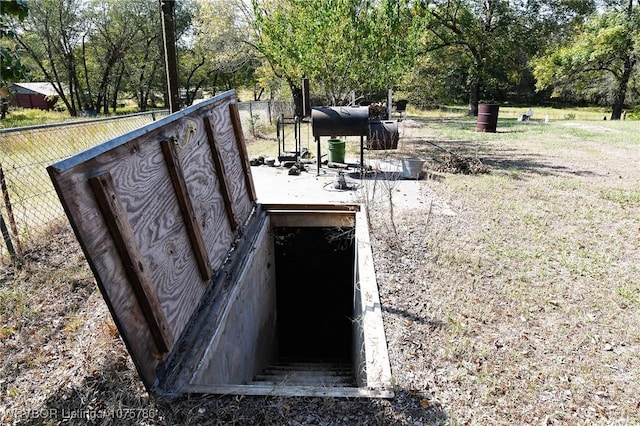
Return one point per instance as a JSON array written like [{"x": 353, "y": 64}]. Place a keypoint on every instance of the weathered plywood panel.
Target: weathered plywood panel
[
  {"x": 226, "y": 141},
  {"x": 169, "y": 149},
  {"x": 135, "y": 268},
  {"x": 242, "y": 150},
  {"x": 207, "y": 193},
  {"x": 146, "y": 190},
  {"x": 171, "y": 253}
]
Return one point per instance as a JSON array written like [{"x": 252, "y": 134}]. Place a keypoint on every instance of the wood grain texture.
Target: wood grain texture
[
  {"x": 222, "y": 175},
  {"x": 234, "y": 114},
  {"x": 207, "y": 195},
  {"x": 149, "y": 203},
  {"x": 132, "y": 262},
  {"x": 225, "y": 138},
  {"x": 184, "y": 200},
  {"x": 147, "y": 192}
]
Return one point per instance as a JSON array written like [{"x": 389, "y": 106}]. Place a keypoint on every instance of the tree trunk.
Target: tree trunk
[
  {"x": 190, "y": 95},
  {"x": 169, "y": 40},
  {"x": 474, "y": 97},
  {"x": 116, "y": 87},
  {"x": 475, "y": 87},
  {"x": 49, "y": 76},
  {"x": 141, "y": 90},
  {"x": 257, "y": 94},
  {"x": 74, "y": 95},
  {"x": 88, "y": 94},
  {"x": 296, "y": 91},
  {"x": 621, "y": 90},
  {"x": 623, "y": 83}
]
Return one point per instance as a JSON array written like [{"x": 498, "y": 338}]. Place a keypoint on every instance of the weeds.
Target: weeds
[
  {"x": 622, "y": 196},
  {"x": 376, "y": 184},
  {"x": 518, "y": 304}
]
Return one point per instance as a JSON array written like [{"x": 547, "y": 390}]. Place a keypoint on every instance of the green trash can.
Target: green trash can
[{"x": 336, "y": 150}]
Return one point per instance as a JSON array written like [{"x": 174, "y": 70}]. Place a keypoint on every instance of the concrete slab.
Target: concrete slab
[{"x": 275, "y": 185}]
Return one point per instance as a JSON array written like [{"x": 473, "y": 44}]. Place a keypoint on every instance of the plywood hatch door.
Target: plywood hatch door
[{"x": 157, "y": 211}]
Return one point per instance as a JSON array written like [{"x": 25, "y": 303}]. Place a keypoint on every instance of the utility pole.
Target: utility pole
[{"x": 170, "y": 58}]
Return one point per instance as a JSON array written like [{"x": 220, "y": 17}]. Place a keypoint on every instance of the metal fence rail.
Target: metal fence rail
[{"x": 29, "y": 202}]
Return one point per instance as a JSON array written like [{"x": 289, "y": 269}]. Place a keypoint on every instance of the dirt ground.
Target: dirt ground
[{"x": 509, "y": 297}]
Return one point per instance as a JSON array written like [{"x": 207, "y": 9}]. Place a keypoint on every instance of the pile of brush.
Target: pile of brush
[{"x": 452, "y": 163}]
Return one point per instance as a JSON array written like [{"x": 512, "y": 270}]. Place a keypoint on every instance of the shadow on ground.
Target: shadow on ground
[
  {"x": 500, "y": 159},
  {"x": 433, "y": 324}
]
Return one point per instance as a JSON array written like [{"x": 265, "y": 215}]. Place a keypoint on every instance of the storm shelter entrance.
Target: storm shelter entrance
[
  {"x": 302, "y": 317},
  {"x": 211, "y": 291},
  {"x": 314, "y": 293}
]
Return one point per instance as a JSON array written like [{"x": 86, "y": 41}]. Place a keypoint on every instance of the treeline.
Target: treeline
[
  {"x": 97, "y": 53},
  {"x": 432, "y": 51}
]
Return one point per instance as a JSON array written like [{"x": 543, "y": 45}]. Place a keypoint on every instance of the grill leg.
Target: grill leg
[
  {"x": 319, "y": 160},
  {"x": 361, "y": 153}
]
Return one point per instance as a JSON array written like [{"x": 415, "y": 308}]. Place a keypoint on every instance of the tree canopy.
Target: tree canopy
[
  {"x": 97, "y": 53},
  {"x": 11, "y": 66},
  {"x": 598, "y": 62},
  {"x": 341, "y": 46},
  {"x": 219, "y": 52}
]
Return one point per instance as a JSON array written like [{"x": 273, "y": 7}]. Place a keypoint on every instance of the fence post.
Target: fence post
[
  {"x": 7, "y": 204},
  {"x": 7, "y": 238}
]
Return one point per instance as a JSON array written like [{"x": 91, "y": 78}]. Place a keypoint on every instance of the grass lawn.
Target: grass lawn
[{"x": 518, "y": 303}]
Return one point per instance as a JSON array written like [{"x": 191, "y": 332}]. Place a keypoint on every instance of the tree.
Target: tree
[
  {"x": 606, "y": 46},
  {"x": 472, "y": 29},
  {"x": 52, "y": 36},
  {"x": 483, "y": 47},
  {"x": 218, "y": 50},
  {"x": 143, "y": 65},
  {"x": 487, "y": 37},
  {"x": 341, "y": 46},
  {"x": 91, "y": 51},
  {"x": 11, "y": 67},
  {"x": 114, "y": 31}
]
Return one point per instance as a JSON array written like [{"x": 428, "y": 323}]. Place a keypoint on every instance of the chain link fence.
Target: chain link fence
[
  {"x": 255, "y": 115},
  {"x": 29, "y": 202}
]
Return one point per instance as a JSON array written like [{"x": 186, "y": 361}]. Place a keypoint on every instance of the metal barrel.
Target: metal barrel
[
  {"x": 383, "y": 134},
  {"x": 487, "y": 118}
]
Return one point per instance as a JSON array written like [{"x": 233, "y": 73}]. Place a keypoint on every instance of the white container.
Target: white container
[{"x": 412, "y": 167}]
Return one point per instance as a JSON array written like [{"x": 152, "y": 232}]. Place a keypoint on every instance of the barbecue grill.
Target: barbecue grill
[{"x": 340, "y": 121}]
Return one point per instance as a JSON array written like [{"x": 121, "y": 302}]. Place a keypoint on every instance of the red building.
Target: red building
[{"x": 33, "y": 95}]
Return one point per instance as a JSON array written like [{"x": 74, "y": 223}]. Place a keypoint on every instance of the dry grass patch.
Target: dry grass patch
[{"x": 520, "y": 307}]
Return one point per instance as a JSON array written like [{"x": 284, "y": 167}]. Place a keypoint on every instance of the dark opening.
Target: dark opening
[{"x": 314, "y": 291}]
